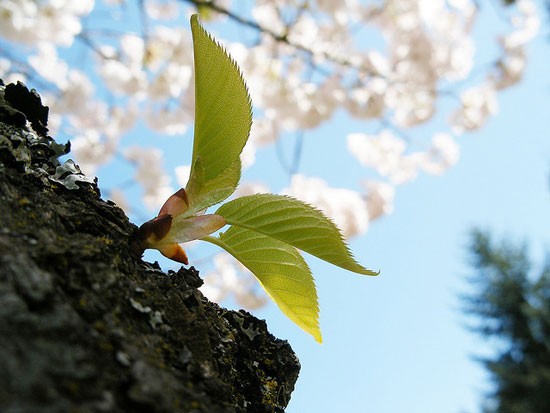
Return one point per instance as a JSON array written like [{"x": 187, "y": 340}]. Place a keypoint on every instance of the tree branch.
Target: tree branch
[{"x": 281, "y": 38}]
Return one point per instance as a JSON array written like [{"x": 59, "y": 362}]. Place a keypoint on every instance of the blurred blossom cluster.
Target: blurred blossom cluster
[
  {"x": 229, "y": 279},
  {"x": 385, "y": 153},
  {"x": 108, "y": 67}
]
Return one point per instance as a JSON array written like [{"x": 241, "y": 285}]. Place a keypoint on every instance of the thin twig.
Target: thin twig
[
  {"x": 84, "y": 38},
  {"x": 281, "y": 38},
  {"x": 144, "y": 20}
]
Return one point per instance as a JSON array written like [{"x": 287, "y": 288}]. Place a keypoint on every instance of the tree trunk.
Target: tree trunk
[{"x": 85, "y": 324}]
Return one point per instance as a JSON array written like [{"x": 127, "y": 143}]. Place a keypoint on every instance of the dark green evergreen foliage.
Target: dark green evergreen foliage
[{"x": 512, "y": 305}]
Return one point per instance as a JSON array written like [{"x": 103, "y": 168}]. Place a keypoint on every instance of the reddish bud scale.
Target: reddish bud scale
[
  {"x": 176, "y": 204},
  {"x": 175, "y": 252}
]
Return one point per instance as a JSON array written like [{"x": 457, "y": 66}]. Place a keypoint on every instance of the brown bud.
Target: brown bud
[{"x": 154, "y": 230}]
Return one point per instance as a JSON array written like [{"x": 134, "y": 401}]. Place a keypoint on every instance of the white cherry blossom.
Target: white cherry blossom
[
  {"x": 150, "y": 174},
  {"x": 48, "y": 65},
  {"x": 162, "y": 10},
  {"x": 385, "y": 153},
  {"x": 8, "y": 74},
  {"x": 380, "y": 198},
  {"x": 442, "y": 154},
  {"x": 478, "y": 104},
  {"x": 230, "y": 278},
  {"x": 56, "y": 21}
]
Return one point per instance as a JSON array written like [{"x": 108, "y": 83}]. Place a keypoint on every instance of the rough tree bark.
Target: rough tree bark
[{"x": 85, "y": 324}]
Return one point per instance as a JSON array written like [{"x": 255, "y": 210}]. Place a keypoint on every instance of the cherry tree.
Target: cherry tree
[{"x": 110, "y": 68}]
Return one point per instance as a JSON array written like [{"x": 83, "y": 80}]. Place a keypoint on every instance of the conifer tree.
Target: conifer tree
[{"x": 511, "y": 303}]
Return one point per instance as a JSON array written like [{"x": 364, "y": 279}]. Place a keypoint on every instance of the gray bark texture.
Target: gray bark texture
[{"x": 85, "y": 324}]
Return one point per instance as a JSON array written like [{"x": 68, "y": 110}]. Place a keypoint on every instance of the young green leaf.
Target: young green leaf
[
  {"x": 280, "y": 269},
  {"x": 223, "y": 117},
  {"x": 203, "y": 194},
  {"x": 294, "y": 222},
  {"x": 266, "y": 230}
]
